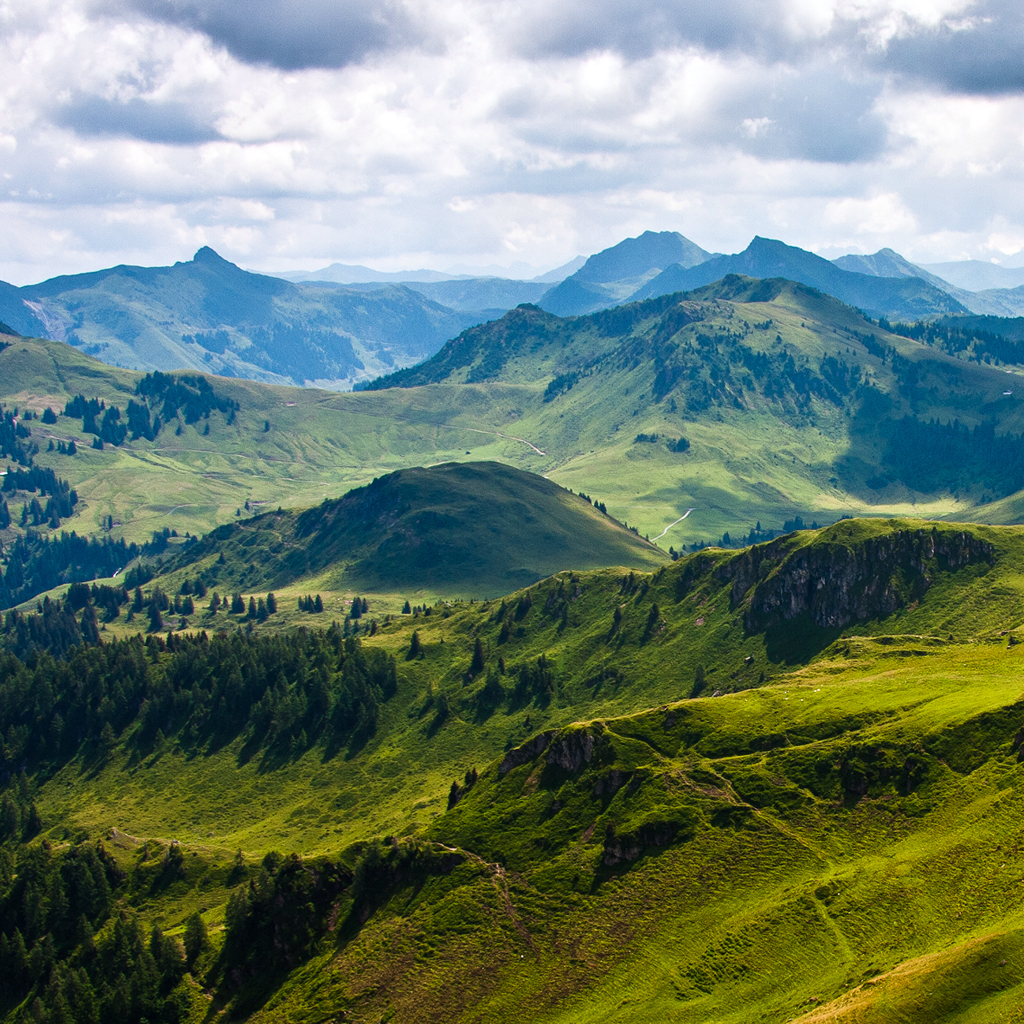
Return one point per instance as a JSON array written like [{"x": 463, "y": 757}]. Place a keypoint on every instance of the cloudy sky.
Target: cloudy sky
[{"x": 289, "y": 134}]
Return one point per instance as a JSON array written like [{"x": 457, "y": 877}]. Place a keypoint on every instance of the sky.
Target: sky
[{"x": 415, "y": 134}]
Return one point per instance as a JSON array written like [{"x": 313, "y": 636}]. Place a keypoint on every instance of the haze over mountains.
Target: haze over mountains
[{"x": 346, "y": 324}]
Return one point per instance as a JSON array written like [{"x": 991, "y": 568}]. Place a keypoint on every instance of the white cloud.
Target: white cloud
[{"x": 478, "y": 132}]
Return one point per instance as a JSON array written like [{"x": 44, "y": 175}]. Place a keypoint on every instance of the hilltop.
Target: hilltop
[{"x": 457, "y": 529}]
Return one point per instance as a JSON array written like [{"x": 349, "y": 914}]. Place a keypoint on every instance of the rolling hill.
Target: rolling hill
[
  {"x": 783, "y": 779},
  {"x": 479, "y": 529},
  {"x": 210, "y": 315},
  {"x": 750, "y": 403}
]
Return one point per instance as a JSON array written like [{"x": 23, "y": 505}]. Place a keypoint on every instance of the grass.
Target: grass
[
  {"x": 839, "y": 842},
  {"x": 753, "y": 459}
]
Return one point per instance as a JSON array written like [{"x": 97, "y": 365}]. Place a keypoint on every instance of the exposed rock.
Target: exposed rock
[
  {"x": 527, "y": 752},
  {"x": 838, "y": 583},
  {"x": 571, "y": 750}
]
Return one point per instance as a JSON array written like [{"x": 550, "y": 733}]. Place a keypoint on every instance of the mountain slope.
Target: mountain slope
[
  {"x": 470, "y": 528},
  {"x": 770, "y": 382},
  {"x": 783, "y": 781},
  {"x": 751, "y": 404},
  {"x": 210, "y": 315},
  {"x": 977, "y": 275},
  {"x": 1002, "y": 302},
  {"x": 613, "y": 274},
  {"x": 900, "y": 297}
]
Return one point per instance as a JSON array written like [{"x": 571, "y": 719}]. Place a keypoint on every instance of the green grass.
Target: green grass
[
  {"x": 751, "y": 458},
  {"x": 841, "y": 840}
]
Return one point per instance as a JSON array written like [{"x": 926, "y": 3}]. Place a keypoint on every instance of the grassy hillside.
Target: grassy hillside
[
  {"x": 782, "y": 779},
  {"x": 208, "y": 314},
  {"x": 744, "y": 402},
  {"x": 478, "y": 528}
]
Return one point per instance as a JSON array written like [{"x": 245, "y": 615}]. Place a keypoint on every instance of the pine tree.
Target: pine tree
[
  {"x": 318, "y": 604},
  {"x": 156, "y": 620},
  {"x": 476, "y": 666},
  {"x": 194, "y": 938},
  {"x": 406, "y": 609},
  {"x": 271, "y": 603},
  {"x": 90, "y": 627},
  {"x": 252, "y": 607},
  {"x": 414, "y": 646}
]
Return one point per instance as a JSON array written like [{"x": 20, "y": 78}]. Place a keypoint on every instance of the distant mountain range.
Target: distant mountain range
[
  {"x": 329, "y": 329},
  {"x": 209, "y": 314}
]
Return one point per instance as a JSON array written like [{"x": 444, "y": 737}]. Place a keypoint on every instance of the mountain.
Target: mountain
[
  {"x": 208, "y": 314},
  {"x": 744, "y": 371},
  {"x": 1000, "y": 302},
  {"x": 490, "y": 296},
  {"x": 457, "y": 528},
  {"x": 977, "y": 275},
  {"x": 743, "y": 406},
  {"x": 613, "y": 274},
  {"x": 778, "y": 781},
  {"x": 904, "y": 298}
]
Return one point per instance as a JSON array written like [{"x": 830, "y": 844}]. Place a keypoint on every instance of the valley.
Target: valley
[{"x": 380, "y": 704}]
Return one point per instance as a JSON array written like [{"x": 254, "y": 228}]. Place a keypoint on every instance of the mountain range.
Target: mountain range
[
  {"x": 332, "y": 330},
  {"x": 369, "y": 717}
]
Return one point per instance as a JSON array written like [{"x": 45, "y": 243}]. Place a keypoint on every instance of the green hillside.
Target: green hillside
[
  {"x": 740, "y": 404},
  {"x": 781, "y": 781},
  {"x": 477, "y": 528}
]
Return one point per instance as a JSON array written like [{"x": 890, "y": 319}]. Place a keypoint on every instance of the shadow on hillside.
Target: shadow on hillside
[{"x": 797, "y": 641}]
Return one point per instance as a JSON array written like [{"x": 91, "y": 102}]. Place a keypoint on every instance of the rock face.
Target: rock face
[
  {"x": 527, "y": 752},
  {"x": 837, "y": 583},
  {"x": 572, "y": 750}
]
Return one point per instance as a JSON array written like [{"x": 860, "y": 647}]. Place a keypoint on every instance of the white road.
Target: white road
[{"x": 670, "y": 525}]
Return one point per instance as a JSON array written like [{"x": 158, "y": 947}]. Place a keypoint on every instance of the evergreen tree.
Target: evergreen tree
[
  {"x": 406, "y": 609},
  {"x": 318, "y": 604},
  {"x": 194, "y": 937},
  {"x": 414, "y": 645},
  {"x": 156, "y": 620},
  {"x": 252, "y": 607},
  {"x": 271, "y": 603},
  {"x": 90, "y": 627},
  {"x": 476, "y": 666}
]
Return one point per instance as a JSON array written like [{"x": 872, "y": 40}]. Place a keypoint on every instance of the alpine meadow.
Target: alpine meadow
[{"x": 436, "y": 590}]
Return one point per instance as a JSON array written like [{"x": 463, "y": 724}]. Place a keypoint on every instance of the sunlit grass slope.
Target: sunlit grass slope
[
  {"x": 476, "y": 528},
  {"x": 755, "y": 786}
]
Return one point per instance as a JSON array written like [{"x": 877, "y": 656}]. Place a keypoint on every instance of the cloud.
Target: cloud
[
  {"x": 981, "y": 53},
  {"x": 177, "y": 124},
  {"x": 288, "y": 35},
  {"x": 288, "y": 136}
]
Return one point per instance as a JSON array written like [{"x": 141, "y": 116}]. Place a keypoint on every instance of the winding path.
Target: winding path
[
  {"x": 670, "y": 525},
  {"x": 511, "y": 437}
]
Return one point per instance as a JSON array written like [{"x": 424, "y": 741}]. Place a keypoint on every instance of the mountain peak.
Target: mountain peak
[{"x": 208, "y": 255}]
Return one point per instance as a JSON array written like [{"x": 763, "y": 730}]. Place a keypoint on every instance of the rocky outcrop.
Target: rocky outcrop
[
  {"x": 838, "y": 583},
  {"x": 527, "y": 752},
  {"x": 571, "y": 750}
]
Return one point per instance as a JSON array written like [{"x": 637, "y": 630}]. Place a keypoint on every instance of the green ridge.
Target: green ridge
[{"x": 834, "y": 835}]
